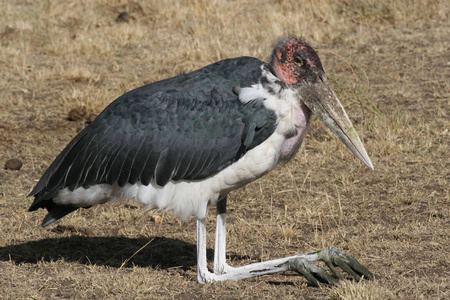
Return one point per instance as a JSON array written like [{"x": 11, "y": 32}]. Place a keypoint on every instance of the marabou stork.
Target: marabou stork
[{"x": 184, "y": 143}]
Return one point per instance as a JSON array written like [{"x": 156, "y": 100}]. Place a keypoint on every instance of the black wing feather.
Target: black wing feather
[
  {"x": 94, "y": 172},
  {"x": 164, "y": 167},
  {"x": 139, "y": 161},
  {"x": 187, "y": 127}
]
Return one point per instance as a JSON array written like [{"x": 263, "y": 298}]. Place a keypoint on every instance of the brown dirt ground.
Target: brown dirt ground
[{"x": 389, "y": 62}]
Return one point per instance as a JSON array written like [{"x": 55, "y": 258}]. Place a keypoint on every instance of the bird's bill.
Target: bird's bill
[{"x": 323, "y": 102}]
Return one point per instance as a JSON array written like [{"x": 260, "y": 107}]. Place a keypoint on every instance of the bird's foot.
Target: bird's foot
[
  {"x": 205, "y": 276},
  {"x": 332, "y": 257}
]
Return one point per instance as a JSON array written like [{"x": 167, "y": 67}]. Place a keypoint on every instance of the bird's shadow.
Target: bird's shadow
[{"x": 154, "y": 252}]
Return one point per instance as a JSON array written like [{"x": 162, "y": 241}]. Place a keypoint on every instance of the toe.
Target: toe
[
  {"x": 337, "y": 257},
  {"x": 313, "y": 273}
]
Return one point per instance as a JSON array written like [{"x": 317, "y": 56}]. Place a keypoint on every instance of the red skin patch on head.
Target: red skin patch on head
[
  {"x": 284, "y": 70},
  {"x": 294, "y": 60}
]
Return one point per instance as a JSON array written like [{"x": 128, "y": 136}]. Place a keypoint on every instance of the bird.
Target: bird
[{"x": 184, "y": 143}]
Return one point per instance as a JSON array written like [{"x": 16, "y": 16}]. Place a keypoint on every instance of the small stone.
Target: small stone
[
  {"x": 77, "y": 113},
  {"x": 13, "y": 164},
  {"x": 156, "y": 219},
  {"x": 122, "y": 17}
]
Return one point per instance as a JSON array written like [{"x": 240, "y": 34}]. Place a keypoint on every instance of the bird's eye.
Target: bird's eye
[{"x": 298, "y": 60}]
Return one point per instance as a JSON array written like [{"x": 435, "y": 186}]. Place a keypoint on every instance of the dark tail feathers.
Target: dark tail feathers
[{"x": 56, "y": 213}]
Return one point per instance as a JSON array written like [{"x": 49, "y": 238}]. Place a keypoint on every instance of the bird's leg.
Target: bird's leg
[
  {"x": 302, "y": 264},
  {"x": 203, "y": 275},
  {"x": 220, "y": 264}
]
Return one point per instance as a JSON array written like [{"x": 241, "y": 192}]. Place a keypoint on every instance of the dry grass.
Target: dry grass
[{"x": 388, "y": 61}]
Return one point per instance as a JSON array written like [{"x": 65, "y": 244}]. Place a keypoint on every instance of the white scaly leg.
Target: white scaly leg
[
  {"x": 220, "y": 264},
  {"x": 203, "y": 275},
  {"x": 202, "y": 270},
  {"x": 302, "y": 264}
]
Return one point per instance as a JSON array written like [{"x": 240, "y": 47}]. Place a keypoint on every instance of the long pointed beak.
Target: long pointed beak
[{"x": 323, "y": 102}]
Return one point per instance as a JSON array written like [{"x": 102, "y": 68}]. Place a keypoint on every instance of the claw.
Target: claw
[
  {"x": 313, "y": 273},
  {"x": 335, "y": 257}
]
